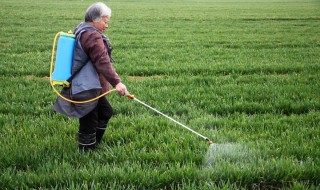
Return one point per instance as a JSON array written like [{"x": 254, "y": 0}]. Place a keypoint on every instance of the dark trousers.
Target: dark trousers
[{"x": 93, "y": 125}]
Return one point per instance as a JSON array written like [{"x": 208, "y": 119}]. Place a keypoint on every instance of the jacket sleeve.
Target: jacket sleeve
[{"x": 94, "y": 47}]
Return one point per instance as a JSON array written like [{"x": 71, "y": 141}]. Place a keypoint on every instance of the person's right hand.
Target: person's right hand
[{"x": 121, "y": 89}]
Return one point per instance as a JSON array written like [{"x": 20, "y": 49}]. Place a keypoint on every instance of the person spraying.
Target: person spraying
[{"x": 92, "y": 75}]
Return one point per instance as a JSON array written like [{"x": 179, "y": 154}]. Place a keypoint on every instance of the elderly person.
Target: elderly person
[{"x": 92, "y": 74}]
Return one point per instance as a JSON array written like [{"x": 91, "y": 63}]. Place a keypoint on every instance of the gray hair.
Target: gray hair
[{"x": 96, "y": 11}]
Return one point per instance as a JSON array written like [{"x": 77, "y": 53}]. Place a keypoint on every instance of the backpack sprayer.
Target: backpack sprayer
[
  {"x": 61, "y": 64},
  {"x": 60, "y": 73}
]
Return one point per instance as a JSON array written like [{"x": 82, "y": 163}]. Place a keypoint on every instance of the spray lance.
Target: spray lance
[{"x": 177, "y": 122}]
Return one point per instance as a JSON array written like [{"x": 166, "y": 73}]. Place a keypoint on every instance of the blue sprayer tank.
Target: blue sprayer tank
[{"x": 64, "y": 55}]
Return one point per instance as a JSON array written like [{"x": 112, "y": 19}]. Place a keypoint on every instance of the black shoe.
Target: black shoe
[{"x": 87, "y": 141}]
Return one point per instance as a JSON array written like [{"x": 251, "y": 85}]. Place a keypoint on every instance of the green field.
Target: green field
[{"x": 240, "y": 72}]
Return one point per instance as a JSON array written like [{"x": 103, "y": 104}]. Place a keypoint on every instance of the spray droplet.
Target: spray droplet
[{"x": 226, "y": 152}]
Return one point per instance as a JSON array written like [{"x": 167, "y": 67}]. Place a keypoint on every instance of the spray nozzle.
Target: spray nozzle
[{"x": 210, "y": 142}]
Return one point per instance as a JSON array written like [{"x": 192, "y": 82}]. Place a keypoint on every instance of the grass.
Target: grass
[{"x": 240, "y": 72}]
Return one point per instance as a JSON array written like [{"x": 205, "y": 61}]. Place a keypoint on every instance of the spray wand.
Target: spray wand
[{"x": 177, "y": 122}]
